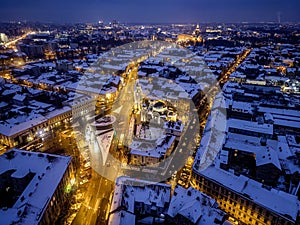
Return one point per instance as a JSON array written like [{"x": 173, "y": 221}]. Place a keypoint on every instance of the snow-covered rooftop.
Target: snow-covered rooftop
[
  {"x": 48, "y": 171},
  {"x": 24, "y": 115},
  {"x": 195, "y": 206},
  {"x": 151, "y": 149},
  {"x": 277, "y": 201},
  {"x": 251, "y": 126},
  {"x": 129, "y": 192}
]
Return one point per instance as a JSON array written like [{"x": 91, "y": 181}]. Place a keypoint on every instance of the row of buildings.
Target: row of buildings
[
  {"x": 254, "y": 176},
  {"x": 144, "y": 202},
  {"x": 30, "y": 115}
]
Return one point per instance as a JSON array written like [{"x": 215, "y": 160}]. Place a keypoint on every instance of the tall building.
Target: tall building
[
  {"x": 3, "y": 38},
  {"x": 197, "y": 30},
  {"x": 187, "y": 38},
  {"x": 33, "y": 187}
]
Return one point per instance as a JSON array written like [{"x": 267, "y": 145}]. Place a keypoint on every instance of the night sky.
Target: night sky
[{"x": 155, "y": 11}]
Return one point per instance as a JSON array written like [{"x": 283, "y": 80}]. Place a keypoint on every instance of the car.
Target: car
[
  {"x": 87, "y": 164},
  {"x": 182, "y": 183},
  {"x": 83, "y": 181},
  {"x": 233, "y": 220}
]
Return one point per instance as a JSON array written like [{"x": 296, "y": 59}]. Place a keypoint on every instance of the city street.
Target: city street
[
  {"x": 97, "y": 196},
  {"x": 153, "y": 113},
  {"x": 96, "y": 204},
  {"x": 12, "y": 43},
  {"x": 123, "y": 107}
]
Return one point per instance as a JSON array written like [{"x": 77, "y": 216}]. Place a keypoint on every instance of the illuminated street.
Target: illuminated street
[
  {"x": 96, "y": 204},
  {"x": 12, "y": 43},
  {"x": 160, "y": 113}
]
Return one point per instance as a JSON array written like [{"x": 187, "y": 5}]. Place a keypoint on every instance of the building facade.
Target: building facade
[
  {"x": 35, "y": 186},
  {"x": 241, "y": 203}
]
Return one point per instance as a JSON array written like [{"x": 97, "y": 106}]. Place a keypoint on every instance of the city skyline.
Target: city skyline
[
  {"x": 133, "y": 11},
  {"x": 134, "y": 113}
]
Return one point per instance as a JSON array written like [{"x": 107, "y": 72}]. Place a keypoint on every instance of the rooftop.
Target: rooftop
[
  {"x": 251, "y": 126},
  {"x": 47, "y": 171},
  {"x": 36, "y": 110},
  {"x": 129, "y": 192},
  {"x": 195, "y": 206},
  {"x": 151, "y": 149},
  {"x": 285, "y": 204}
]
